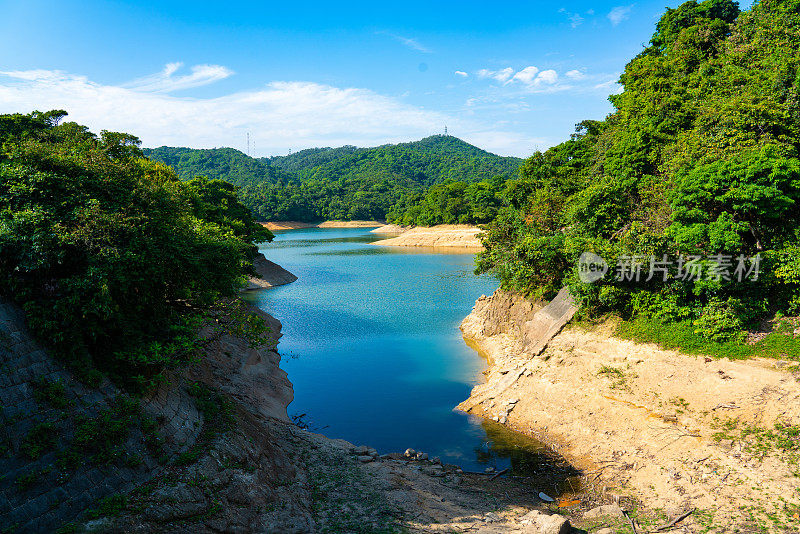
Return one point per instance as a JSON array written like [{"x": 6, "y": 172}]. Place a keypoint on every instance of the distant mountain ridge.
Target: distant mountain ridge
[
  {"x": 341, "y": 183},
  {"x": 226, "y": 164},
  {"x": 429, "y": 161}
]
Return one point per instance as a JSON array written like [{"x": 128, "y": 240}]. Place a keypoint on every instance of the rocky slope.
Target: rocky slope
[
  {"x": 676, "y": 432},
  {"x": 212, "y": 450},
  {"x": 270, "y": 274}
]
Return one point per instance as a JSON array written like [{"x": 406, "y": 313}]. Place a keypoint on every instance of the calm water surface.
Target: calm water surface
[{"x": 372, "y": 346}]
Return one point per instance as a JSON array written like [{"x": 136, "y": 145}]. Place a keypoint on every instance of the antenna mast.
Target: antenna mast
[
  {"x": 248, "y": 143},
  {"x": 445, "y": 130}
]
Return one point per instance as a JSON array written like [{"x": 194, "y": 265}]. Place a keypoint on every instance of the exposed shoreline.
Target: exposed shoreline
[
  {"x": 270, "y": 274},
  {"x": 642, "y": 418},
  {"x": 298, "y": 225},
  {"x": 451, "y": 236}
]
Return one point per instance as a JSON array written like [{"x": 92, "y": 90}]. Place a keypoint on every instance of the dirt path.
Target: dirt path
[{"x": 677, "y": 432}]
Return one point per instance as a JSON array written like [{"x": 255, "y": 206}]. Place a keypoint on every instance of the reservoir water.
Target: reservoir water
[{"x": 372, "y": 346}]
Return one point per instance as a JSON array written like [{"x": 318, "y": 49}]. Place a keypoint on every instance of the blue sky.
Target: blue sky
[{"x": 511, "y": 77}]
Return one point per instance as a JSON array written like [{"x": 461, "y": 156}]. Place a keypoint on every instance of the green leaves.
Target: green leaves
[
  {"x": 701, "y": 157},
  {"x": 110, "y": 255}
]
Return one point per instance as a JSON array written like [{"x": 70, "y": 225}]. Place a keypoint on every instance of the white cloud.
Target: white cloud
[
  {"x": 574, "y": 74},
  {"x": 527, "y": 75},
  {"x": 166, "y": 82},
  {"x": 502, "y": 75},
  {"x": 609, "y": 85},
  {"x": 279, "y": 116},
  {"x": 409, "y": 42},
  {"x": 461, "y": 73},
  {"x": 547, "y": 76},
  {"x": 619, "y": 13}
]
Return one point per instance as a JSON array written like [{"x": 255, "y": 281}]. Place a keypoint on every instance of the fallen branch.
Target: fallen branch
[
  {"x": 494, "y": 476},
  {"x": 633, "y": 525},
  {"x": 676, "y": 520}
]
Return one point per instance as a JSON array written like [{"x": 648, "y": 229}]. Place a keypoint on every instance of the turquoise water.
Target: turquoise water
[{"x": 372, "y": 346}]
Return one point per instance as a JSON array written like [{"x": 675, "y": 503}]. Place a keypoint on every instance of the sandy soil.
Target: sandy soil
[
  {"x": 644, "y": 419},
  {"x": 297, "y": 225},
  {"x": 390, "y": 229},
  {"x": 350, "y": 224},
  {"x": 287, "y": 225},
  {"x": 445, "y": 235}
]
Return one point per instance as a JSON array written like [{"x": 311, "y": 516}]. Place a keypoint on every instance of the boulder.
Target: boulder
[{"x": 537, "y": 522}]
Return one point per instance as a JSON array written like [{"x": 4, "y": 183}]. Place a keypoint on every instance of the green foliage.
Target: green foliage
[
  {"x": 217, "y": 419},
  {"x": 700, "y": 157},
  {"x": 100, "y": 439},
  {"x": 111, "y": 256},
  {"x": 110, "y": 506},
  {"x": 450, "y": 203},
  {"x": 347, "y": 183},
  {"x": 41, "y": 438},
  {"x": 50, "y": 392}
]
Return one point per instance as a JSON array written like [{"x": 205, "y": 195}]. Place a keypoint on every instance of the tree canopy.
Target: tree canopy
[
  {"x": 347, "y": 182},
  {"x": 699, "y": 158},
  {"x": 113, "y": 259}
]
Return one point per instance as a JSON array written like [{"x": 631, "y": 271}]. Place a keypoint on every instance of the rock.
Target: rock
[
  {"x": 410, "y": 453},
  {"x": 489, "y": 470},
  {"x": 607, "y": 509},
  {"x": 372, "y": 452},
  {"x": 361, "y": 450},
  {"x": 605, "y": 531},
  {"x": 503, "y": 420},
  {"x": 726, "y": 443},
  {"x": 513, "y": 401},
  {"x": 437, "y": 460},
  {"x": 537, "y": 522},
  {"x": 365, "y": 459},
  {"x": 491, "y": 517},
  {"x": 422, "y": 456},
  {"x": 433, "y": 470}
]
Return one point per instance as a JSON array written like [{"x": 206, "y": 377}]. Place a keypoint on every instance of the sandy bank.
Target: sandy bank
[
  {"x": 350, "y": 224},
  {"x": 642, "y": 418},
  {"x": 286, "y": 225},
  {"x": 446, "y": 235},
  {"x": 270, "y": 274},
  {"x": 297, "y": 225},
  {"x": 390, "y": 229}
]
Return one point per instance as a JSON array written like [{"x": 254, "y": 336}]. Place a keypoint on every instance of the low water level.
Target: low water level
[{"x": 372, "y": 346}]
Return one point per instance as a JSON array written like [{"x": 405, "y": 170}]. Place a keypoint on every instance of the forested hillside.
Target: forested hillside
[
  {"x": 689, "y": 190},
  {"x": 221, "y": 163},
  {"x": 347, "y": 182},
  {"x": 114, "y": 260}
]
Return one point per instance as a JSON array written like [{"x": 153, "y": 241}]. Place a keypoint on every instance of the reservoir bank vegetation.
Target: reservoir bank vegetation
[{"x": 141, "y": 393}]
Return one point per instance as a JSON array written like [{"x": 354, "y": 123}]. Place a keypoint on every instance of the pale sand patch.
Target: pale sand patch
[
  {"x": 286, "y": 225},
  {"x": 461, "y": 236},
  {"x": 297, "y": 225},
  {"x": 350, "y": 224}
]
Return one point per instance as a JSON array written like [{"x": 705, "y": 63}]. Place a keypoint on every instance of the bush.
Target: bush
[{"x": 112, "y": 258}]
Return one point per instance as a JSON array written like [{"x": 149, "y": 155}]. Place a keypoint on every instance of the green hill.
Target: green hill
[
  {"x": 226, "y": 164},
  {"x": 429, "y": 161},
  {"x": 341, "y": 183}
]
